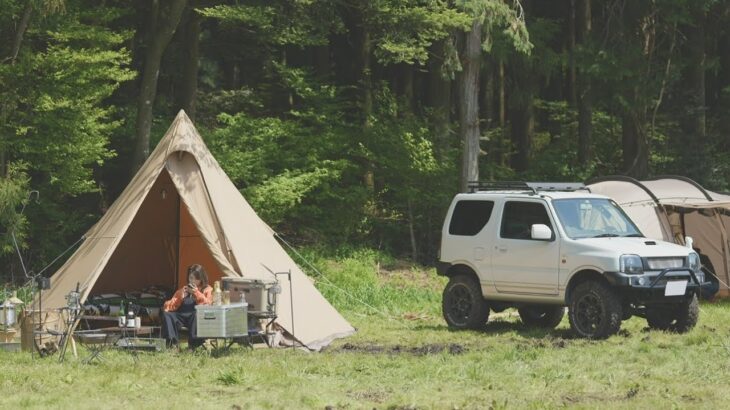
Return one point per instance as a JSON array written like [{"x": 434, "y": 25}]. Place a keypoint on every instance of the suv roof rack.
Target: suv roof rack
[{"x": 532, "y": 187}]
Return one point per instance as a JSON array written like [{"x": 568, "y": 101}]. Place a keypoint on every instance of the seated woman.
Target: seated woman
[{"x": 180, "y": 310}]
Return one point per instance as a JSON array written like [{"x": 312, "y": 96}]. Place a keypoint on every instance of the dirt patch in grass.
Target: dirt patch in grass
[
  {"x": 450, "y": 348},
  {"x": 376, "y": 396}
]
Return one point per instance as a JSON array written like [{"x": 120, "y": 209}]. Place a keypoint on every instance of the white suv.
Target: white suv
[{"x": 540, "y": 247}]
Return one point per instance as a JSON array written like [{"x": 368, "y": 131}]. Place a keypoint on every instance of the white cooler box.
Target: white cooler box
[
  {"x": 222, "y": 321},
  {"x": 256, "y": 292}
]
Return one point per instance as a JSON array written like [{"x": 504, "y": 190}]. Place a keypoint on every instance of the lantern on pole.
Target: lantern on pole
[{"x": 9, "y": 318}]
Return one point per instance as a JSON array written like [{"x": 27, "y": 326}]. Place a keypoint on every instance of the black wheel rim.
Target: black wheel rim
[
  {"x": 459, "y": 304},
  {"x": 589, "y": 313}
]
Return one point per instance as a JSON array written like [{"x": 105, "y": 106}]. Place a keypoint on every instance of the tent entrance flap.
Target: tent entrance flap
[
  {"x": 160, "y": 244},
  {"x": 194, "y": 250},
  {"x": 200, "y": 230}
]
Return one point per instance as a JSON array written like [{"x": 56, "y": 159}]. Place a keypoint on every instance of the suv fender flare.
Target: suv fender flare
[
  {"x": 583, "y": 275},
  {"x": 449, "y": 270}
]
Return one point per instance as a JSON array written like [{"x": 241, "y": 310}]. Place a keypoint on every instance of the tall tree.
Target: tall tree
[
  {"x": 584, "y": 94},
  {"x": 487, "y": 15},
  {"x": 190, "y": 58},
  {"x": 163, "y": 17},
  {"x": 469, "y": 104},
  {"x": 695, "y": 120}
]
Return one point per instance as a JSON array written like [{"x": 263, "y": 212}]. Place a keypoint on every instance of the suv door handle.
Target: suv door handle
[{"x": 501, "y": 248}]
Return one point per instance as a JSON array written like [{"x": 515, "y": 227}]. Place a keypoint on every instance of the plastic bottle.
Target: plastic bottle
[{"x": 217, "y": 296}]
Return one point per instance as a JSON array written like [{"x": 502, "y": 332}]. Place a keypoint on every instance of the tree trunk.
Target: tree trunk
[
  {"x": 486, "y": 99},
  {"x": 696, "y": 100},
  {"x": 20, "y": 32},
  {"x": 412, "y": 232},
  {"x": 163, "y": 21},
  {"x": 522, "y": 127},
  {"x": 572, "y": 93},
  {"x": 635, "y": 145},
  {"x": 366, "y": 89},
  {"x": 469, "y": 102},
  {"x": 585, "y": 101},
  {"x": 439, "y": 98},
  {"x": 322, "y": 63},
  {"x": 407, "y": 86},
  {"x": 502, "y": 111},
  {"x": 521, "y": 111},
  {"x": 191, "y": 60}
]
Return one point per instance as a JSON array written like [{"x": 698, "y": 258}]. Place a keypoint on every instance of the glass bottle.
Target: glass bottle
[
  {"x": 217, "y": 297},
  {"x": 121, "y": 316}
]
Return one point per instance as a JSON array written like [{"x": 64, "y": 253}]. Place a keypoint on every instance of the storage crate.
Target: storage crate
[{"x": 222, "y": 321}]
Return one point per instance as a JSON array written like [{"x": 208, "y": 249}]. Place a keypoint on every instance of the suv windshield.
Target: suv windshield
[{"x": 594, "y": 218}]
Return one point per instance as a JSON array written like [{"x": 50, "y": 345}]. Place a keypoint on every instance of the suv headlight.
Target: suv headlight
[
  {"x": 630, "y": 264},
  {"x": 694, "y": 262}
]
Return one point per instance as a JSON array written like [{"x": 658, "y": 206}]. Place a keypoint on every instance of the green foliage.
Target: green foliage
[
  {"x": 13, "y": 195},
  {"x": 53, "y": 107},
  {"x": 288, "y": 22},
  {"x": 404, "y": 30},
  {"x": 334, "y": 151},
  {"x": 499, "y": 15},
  {"x": 555, "y": 154},
  {"x": 296, "y": 169},
  {"x": 372, "y": 282}
]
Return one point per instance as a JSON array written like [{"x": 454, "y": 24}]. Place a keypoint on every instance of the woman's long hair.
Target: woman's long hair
[{"x": 200, "y": 274}]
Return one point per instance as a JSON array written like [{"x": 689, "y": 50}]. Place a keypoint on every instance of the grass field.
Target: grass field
[{"x": 402, "y": 357}]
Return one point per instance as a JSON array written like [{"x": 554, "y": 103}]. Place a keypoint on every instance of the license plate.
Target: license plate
[{"x": 675, "y": 288}]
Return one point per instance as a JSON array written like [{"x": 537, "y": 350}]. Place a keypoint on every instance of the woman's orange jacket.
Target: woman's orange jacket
[{"x": 201, "y": 298}]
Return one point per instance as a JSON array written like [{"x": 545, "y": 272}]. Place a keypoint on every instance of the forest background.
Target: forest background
[{"x": 347, "y": 122}]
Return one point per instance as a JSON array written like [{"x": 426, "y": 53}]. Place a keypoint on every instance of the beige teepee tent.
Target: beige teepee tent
[{"x": 182, "y": 208}]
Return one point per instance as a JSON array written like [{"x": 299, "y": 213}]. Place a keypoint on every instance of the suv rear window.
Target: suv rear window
[
  {"x": 469, "y": 217},
  {"x": 519, "y": 217}
]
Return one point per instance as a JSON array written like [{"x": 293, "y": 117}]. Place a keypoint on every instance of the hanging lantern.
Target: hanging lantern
[{"x": 9, "y": 311}]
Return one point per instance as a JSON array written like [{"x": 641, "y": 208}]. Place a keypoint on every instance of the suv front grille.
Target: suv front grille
[{"x": 665, "y": 263}]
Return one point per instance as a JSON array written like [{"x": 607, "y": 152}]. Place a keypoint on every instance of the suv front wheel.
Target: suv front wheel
[
  {"x": 463, "y": 305},
  {"x": 594, "y": 311}
]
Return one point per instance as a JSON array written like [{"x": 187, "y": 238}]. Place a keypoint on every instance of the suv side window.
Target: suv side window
[
  {"x": 469, "y": 217},
  {"x": 518, "y": 218}
]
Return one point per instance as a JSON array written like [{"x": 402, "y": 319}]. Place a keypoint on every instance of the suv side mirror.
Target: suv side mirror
[{"x": 540, "y": 232}]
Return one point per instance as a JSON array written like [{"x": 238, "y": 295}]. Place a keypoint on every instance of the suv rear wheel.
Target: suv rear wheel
[
  {"x": 541, "y": 315},
  {"x": 680, "y": 319},
  {"x": 594, "y": 311},
  {"x": 463, "y": 305}
]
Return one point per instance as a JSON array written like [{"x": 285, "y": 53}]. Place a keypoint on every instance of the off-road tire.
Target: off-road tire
[
  {"x": 463, "y": 305},
  {"x": 545, "y": 316},
  {"x": 595, "y": 310},
  {"x": 679, "y": 319}
]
